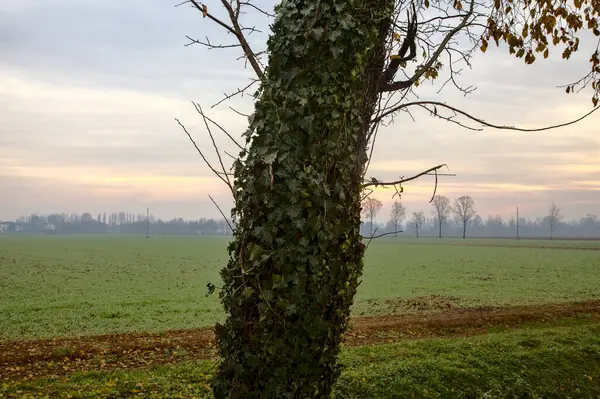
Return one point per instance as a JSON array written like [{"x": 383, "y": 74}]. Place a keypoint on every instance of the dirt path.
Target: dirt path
[{"x": 60, "y": 356}]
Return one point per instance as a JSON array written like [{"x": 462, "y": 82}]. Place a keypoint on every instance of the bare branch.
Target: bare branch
[
  {"x": 239, "y": 112},
  {"x": 238, "y": 8},
  {"x": 234, "y": 28},
  {"x": 221, "y": 212},
  {"x": 366, "y": 195},
  {"x": 386, "y": 234},
  {"x": 209, "y": 44},
  {"x": 248, "y": 3},
  {"x": 202, "y": 8},
  {"x": 206, "y": 118},
  {"x": 229, "y": 155},
  {"x": 239, "y": 91},
  {"x": 370, "y": 239},
  {"x": 399, "y": 85},
  {"x": 217, "y": 173},
  {"x": 478, "y": 120},
  {"x": 434, "y": 187},
  {"x": 374, "y": 182},
  {"x": 212, "y": 139},
  {"x": 408, "y": 45},
  {"x": 450, "y": 119},
  {"x": 242, "y": 39}
]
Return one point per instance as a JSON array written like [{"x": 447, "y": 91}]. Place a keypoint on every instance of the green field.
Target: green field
[
  {"x": 61, "y": 285},
  {"x": 535, "y": 362}
]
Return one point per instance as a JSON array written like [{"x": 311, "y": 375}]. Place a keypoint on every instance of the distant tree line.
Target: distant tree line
[
  {"x": 112, "y": 223},
  {"x": 460, "y": 219},
  {"x": 446, "y": 219}
]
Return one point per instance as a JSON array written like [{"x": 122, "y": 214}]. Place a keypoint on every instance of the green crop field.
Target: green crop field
[{"x": 61, "y": 285}]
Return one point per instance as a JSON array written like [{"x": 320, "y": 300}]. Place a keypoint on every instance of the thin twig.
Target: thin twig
[
  {"x": 221, "y": 212},
  {"x": 376, "y": 182},
  {"x": 226, "y": 153},
  {"x": 238, "y": 112},
  {"x": 434, "y": 187},
  {"x": 386, "y": 234},
  {"x": 239, "y": 91},
  {"x": 370, "y": 239},
  {"x": 450, "y": 119},
  {"x": 202, "y": 155},
  {"x": 209, "y": 44},
  {"x": 212, "y": 139},
  {"x": 219, "y": 126},
  {"x": 268, "y": 14}
]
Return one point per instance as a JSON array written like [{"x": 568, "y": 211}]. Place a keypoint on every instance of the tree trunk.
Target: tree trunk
[
  {"x": 440, "y": 228},
  {"x": 396, "y": 229},
  {"x": 371, "y": 231},
  {"x": 464, "y": 230},
  {"x": 296, "y": 258}
]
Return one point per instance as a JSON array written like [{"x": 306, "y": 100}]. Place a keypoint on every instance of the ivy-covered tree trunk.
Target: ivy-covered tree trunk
[{"x": 296, "y": 258}]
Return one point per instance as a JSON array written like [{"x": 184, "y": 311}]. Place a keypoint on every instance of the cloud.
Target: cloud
[{"x": 89, "y": 92}]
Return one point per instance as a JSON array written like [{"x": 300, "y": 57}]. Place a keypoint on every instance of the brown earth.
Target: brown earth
[{"x": 24, "y": 360}]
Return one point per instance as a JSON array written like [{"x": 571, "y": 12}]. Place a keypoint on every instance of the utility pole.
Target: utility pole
[
  {"x": 517, "y": 223},
  {"x": 147, "y": 222}
]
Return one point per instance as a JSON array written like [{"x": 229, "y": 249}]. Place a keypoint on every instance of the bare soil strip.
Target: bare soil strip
[{"x": 24, "y": 360}]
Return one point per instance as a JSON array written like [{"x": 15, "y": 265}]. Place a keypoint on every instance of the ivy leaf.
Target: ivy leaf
[
  {"x": 247, "y": 292},
  {"x": 335, "y": 51},
  {"x": 334, "y": 35},
  {"x": 270, "y": 158},
  {"x": 211, "y": 288},
  {"x": 290, "y": 310},
  {"x": 318, "y": 33},
  {"x": 275, "y": 278}
]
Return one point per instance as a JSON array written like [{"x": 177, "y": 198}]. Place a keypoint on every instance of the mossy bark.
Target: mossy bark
[{"x": 296, "y": 258}]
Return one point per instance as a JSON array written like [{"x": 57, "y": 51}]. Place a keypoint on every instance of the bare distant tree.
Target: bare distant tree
[
  {"x": 464, "y": 208},
  {"x": 441, "y": 210},
  {"x": 371, "y": 207},
  {"x": 418, "y": 219},
  {"x": 554, "y": 216},
  {"x": 397, "y": 215}
]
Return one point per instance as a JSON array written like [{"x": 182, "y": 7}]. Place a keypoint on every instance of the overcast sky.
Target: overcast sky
[{"x": 89, "y": 91}]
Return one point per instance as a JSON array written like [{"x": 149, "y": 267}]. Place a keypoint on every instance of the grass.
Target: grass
[
  {"x": 56, "y": 286},
  {"x": 505, "y": 242},
  {"x": 484, "y": 273},
  {"x": 69, "y": 285},
  {"x": 535, "y": 362}
]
